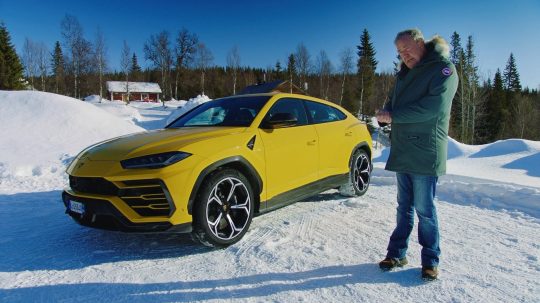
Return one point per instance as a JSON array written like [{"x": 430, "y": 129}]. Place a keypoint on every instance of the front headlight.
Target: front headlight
[{"x": 154, "y": 161}]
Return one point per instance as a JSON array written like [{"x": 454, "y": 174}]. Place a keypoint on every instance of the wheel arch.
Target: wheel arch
[
  {"x": 361, "y": 146},
  {"x": 236, "y": 162}
]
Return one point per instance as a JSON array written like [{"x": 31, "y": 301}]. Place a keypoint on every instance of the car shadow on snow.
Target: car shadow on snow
[
  {"x": 36, "y": 234},
  {"x": 258, "y": 285}
]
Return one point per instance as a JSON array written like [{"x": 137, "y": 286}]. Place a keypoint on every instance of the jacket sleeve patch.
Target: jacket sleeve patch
[{"x": 447, "y": 71}]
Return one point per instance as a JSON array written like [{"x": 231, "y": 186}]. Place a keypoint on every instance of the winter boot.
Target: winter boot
[
  {"x": 430, "y": 273},
  {"x": 391, "y": 263}
]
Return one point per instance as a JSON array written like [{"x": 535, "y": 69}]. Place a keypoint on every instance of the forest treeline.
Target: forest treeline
[{"x": 484, "y": 109}]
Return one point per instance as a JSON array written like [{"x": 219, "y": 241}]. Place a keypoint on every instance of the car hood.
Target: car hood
[{"x": 153, "y": 142}]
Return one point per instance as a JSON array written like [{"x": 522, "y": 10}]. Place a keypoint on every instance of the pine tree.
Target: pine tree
[
  {"x": 456, "y": 49},
  {"x": 475, "y": 97},
  {"x": 511, "y": 76},
  {"x": 58, "y": 68},
  {"x": 457, "y": 116},
  {"x": 278, "y": 71},
  {"x": 496, "y": 113},
  {"x": 135, "y": 69},
  {"x": 366, "y": 74},
  {"x": 291, "y": 70},
  {"x": 11, "y": 69}
]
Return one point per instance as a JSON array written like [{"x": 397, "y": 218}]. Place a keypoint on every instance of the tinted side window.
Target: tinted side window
[
  {"x": 322, "y": 113},
  {"x": 289, "y": 105}
]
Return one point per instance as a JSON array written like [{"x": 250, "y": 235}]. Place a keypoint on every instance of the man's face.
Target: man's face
[{"x": 410, "y": 51}]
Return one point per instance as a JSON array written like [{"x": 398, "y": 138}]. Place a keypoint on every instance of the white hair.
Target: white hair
[{"x": 414, "y": 33}]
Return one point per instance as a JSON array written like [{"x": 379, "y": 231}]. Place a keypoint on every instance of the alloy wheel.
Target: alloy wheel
[
  {"x": 361, "y": 172},
  {"x": 228, "y": 208}
]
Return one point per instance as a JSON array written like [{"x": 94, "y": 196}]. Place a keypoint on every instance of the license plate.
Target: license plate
[{"x": 76, "y": 207}]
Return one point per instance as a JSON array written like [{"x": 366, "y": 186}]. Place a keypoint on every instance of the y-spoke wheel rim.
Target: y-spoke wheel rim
[
  {"x": 228, "y": 208},
  {"x": 361, "y": 172}
]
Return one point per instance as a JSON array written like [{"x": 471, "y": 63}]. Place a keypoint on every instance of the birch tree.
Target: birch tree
[
  {"x": 157, "y": 49},
  {"x": 346, "y": 65},
  {"x": 204, "y": 59},
  {"x": 30, "y": 60},
  {"x": 324, "y": 69},
  {"x": 78, "y": 47},
  {"x": 524, "y": 113},
  {"x": 42, "y": 56},
  {"x": 303, "y": 64},
  {"x": 186, "y": 47},
  {"x": 233, "y": 64},
  {"x": 100, "y": 58},
  {"x": 125, "y": 64}
]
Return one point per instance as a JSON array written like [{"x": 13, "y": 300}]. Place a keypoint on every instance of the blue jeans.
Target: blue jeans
[{"x": 416, "y": 192}]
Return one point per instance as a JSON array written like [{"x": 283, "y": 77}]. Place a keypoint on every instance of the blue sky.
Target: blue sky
[{"x": 267, "y": 31}]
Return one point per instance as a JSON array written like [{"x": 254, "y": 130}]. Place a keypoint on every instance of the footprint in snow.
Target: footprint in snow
[{"x": 355, "y": 203}]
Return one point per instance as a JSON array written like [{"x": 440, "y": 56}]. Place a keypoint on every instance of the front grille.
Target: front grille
[
  {"x": 147, "y": 197},
  {"x": 90, "y": 185}
]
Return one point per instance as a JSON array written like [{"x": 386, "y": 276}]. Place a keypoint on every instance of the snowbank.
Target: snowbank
[
  {"x": 40, "y": 133},
  {"x": 191, "y": 103},
  {"x": 94, "y": 99}
]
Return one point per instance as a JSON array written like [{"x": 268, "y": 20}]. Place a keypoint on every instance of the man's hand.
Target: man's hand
[{"x": 384, "y": 116}]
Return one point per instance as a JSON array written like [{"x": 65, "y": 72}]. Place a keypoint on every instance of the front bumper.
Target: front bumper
[{"x": 102, "y": 214}]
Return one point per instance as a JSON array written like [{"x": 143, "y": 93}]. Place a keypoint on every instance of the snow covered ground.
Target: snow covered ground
[{"x": 323, "y": 249}]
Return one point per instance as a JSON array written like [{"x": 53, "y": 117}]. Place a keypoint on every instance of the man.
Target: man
[{"x": 419, "y": 110}]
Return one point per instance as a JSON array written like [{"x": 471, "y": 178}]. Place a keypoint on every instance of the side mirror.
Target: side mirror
[{"x": 280, "y": 120}]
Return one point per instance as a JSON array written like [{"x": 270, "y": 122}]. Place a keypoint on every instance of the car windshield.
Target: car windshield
[{"x": 235, "y": 111}]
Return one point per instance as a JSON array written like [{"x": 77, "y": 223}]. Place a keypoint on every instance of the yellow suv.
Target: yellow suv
[{"x": 215, "y": 167}]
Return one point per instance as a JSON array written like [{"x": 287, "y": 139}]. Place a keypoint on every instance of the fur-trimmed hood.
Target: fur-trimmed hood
[{"x": 436, "y": 46}]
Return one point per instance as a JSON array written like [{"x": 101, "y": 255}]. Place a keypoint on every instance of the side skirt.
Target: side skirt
[{"x": 303, "y": 192}]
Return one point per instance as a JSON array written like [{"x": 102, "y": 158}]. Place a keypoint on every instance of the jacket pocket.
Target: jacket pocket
[{"x": 419, "y": 150}]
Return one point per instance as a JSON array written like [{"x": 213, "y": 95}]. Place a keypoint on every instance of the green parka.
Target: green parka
[{"x": 420, "y": 107}]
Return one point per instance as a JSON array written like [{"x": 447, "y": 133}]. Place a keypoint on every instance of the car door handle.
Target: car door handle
[
  {"x": 312, "y": 142},
  {"x": 348, "y": 134}
]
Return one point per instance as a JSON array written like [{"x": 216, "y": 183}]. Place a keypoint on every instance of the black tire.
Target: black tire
[
  {"x": 224, "y": 208},
  {"x": 359, "y": 175}
]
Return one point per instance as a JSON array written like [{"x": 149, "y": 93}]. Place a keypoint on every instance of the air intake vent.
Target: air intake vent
[
  {"x": 147, "y": 197},
  {"x": 97, "y": 186}
]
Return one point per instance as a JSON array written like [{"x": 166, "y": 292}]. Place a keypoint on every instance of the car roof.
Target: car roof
[{"x": 274, "y": 86}]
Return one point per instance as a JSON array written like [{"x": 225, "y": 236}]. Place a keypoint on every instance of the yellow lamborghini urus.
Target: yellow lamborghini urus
[{"x": 215, "y": 167}]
